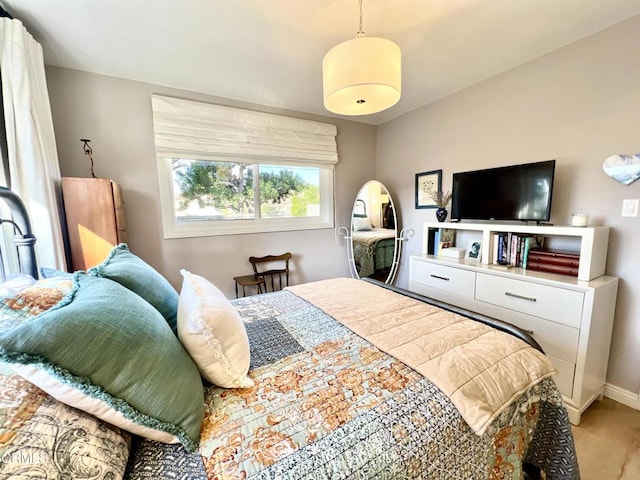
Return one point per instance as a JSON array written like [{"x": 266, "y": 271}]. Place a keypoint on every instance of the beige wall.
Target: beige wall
[
  {"x": 116, "y": 115},
  {"x": 579, "y": 105}
]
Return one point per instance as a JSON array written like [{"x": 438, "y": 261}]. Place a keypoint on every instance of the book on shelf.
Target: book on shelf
[
  {"x": 516, "y": 249},
  {"x": 500, "y": 248},
  {"x": 431, "y": 239},
  {"x": 522, "y": 249},
  {"x": 555, "y": 254},
  {"x": 526, "y": 250},
  {"x": 503, "y": 248},
  {"x": 512, "y": 248},
  {"x": 553, "y": 268},
  {"x": 496, "y": 241},
  {"x": 514, "y": 252},
  {"x": 538, "y": 256}
]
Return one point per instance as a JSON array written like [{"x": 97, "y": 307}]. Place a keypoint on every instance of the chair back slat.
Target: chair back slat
[{"x": 259, "y": 262}]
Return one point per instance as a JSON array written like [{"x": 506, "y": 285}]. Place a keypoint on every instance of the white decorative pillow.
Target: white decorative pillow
[
  {"x": 213, "y": 333},
  {"x": 361, "y": 224}
]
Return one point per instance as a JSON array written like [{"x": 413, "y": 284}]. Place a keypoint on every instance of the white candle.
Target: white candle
[{"x": 579, "y": 220}]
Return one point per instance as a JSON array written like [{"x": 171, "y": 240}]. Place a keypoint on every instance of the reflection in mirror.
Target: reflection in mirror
[{"x": 374, "y": 234}]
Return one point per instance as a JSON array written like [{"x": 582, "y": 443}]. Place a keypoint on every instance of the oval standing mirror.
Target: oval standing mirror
[{"x": 374, "y": 233}]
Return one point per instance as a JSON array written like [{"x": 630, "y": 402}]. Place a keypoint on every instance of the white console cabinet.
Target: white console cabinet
[{"x": 571, "y": 318}]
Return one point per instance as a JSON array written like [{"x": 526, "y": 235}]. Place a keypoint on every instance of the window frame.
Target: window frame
[{"x": 173, "y": 228}]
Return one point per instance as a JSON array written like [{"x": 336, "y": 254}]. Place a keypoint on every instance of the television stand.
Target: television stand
[{"x": 571, "y": 318}]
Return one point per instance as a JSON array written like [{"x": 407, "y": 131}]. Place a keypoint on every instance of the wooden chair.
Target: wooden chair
[{"x": 262, "y": 279}]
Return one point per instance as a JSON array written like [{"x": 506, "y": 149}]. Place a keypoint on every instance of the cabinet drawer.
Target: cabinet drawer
[
  {"x": 556, "y": 304},
  {"x": 434, "y": 275},
  {"x": 555, "y": 339},
  {"x": 565, "y": 375}
]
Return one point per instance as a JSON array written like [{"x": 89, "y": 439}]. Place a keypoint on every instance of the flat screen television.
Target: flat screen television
[{"x": 516, "y": 192}]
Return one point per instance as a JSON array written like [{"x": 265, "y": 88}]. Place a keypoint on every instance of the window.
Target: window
[
  {"x": 218, "y": 197},
  {"x": 226, "y": 170}
]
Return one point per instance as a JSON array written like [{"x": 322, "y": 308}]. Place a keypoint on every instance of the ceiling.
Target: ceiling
[{"x": 270, "y": 51}]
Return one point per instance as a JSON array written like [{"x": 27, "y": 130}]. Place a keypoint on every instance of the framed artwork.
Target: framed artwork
[{"x": 426, "y": 181}]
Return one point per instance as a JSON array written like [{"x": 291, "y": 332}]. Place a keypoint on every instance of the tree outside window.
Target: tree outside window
[{"x": 219, "y": 190}]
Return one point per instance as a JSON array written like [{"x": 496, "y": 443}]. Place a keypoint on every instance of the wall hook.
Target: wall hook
[{"x": 88, "y": 151}]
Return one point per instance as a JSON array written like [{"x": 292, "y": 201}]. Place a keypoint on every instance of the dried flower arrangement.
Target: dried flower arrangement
[{"x": 440, "y": 198}]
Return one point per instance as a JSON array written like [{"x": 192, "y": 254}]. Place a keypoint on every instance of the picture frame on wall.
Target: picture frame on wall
[{"x": 426, "y": 181}]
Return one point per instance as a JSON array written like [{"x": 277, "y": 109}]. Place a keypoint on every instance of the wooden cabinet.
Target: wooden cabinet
[
  {"x": 571, "y": 318},
  {"x": 94, "y": 214}
]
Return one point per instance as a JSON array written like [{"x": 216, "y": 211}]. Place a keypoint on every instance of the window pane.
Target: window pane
[
  {"x": 207, "y": 190},
  {"x": 220, "y": 197},
  {"x": 289, "y": 191}
]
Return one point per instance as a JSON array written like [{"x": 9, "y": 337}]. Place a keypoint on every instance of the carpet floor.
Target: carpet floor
[{"x": 608, "y": 442}]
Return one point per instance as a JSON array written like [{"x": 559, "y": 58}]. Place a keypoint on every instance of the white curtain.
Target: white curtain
[{"x": 33, "y": 159}]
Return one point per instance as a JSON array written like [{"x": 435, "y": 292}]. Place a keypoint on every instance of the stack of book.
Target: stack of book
[
  {"x": 513, "y": 249},
  {"x": 565, "y": 263}
]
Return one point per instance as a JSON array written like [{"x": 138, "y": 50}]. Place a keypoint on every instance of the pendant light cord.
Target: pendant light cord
[{"x": 360, "y": 29}]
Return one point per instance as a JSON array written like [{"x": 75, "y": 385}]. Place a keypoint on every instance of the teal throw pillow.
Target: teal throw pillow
[
  {"x": 105, "y": 350},
  {"x": 46, "y": 272},
  {"x": 132, "y": 272}
]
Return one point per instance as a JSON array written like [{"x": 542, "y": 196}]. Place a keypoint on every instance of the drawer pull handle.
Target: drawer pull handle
[
  {"x": 515, "y": 295},
  {"x": 440, "y": 278}
]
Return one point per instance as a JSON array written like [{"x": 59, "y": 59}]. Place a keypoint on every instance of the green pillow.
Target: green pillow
[
  {"x": 132, "y": 272},
  {"x": 105, "y": 350}
]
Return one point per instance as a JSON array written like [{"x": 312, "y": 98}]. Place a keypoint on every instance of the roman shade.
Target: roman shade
[{"x": 190, "y": 129}]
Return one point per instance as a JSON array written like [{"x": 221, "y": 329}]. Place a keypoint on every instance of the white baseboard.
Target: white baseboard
[{"x": 623, "y": 396}]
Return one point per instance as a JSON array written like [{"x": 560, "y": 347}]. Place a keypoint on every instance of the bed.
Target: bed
[
  {"x": 334, "y": 385},
  {"x": 373, "y": 250}
]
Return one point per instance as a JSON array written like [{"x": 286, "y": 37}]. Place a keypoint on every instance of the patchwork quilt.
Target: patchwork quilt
[
  {"x": 479, "y": 368},
  {"x": 41, "y": 438},
  {"x": 327, "y": 404}
]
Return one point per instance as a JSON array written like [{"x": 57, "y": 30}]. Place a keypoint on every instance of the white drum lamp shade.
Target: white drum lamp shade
[{"x": 361, "y": 76}]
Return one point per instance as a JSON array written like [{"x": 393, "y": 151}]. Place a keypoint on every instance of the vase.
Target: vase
[{"x": 441, "y": 214}]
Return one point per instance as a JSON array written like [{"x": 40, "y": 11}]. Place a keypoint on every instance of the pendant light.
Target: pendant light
[{"x": 362, "y": 75}]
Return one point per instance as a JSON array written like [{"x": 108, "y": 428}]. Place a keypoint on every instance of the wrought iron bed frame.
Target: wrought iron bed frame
[{"x": 24, "y": 240}]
